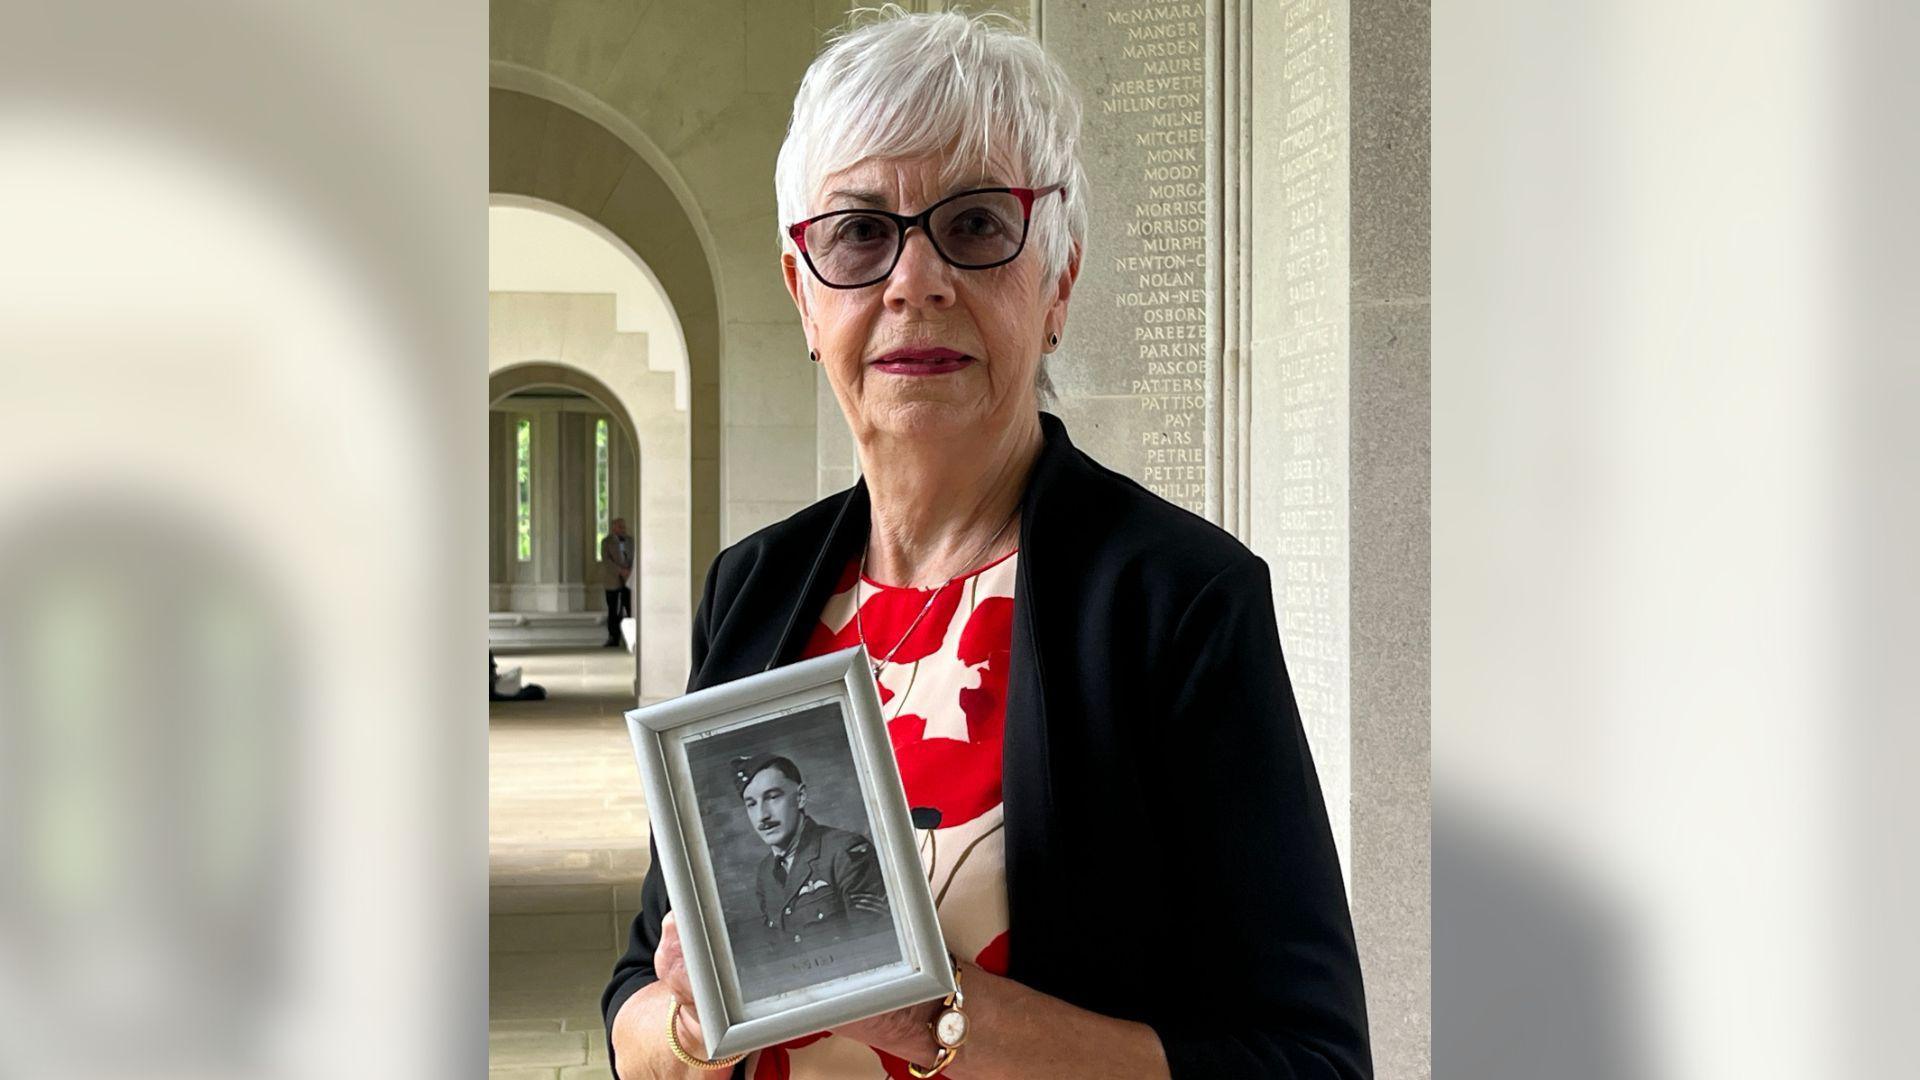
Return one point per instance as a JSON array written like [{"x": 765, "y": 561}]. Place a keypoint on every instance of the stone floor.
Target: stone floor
[{"x": 568, "y": 846}]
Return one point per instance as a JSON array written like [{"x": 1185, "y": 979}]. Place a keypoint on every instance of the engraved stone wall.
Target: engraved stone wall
[
  {"x": 1298, "y": 445},
  {"x": 1140, "y": 375},
  {"x": 1138, "y": 371}
]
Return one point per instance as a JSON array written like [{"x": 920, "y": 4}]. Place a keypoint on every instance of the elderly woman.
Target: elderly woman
[{"x": 1083, "y": 683}]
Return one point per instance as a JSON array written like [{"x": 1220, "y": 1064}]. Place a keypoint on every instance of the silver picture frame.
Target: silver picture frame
[{"x": 752, "y": 987}]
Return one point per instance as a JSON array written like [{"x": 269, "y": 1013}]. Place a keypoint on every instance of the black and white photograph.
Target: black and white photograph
[
  {"x": 787, "y": 852},
  {"x": 801, "y": 888}
]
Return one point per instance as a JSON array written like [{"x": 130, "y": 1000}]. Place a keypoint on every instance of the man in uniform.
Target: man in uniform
[{"x": 819, "y": 884}]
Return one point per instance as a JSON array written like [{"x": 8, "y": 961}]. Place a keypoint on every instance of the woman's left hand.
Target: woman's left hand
[
  {"x": 1018, "y": 1032},
  {"x": 905, "y": 1033}
]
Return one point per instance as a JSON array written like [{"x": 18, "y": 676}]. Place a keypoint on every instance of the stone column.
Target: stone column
[
  {"x": 499, "y": 508},
  {"x": 1248, "y": 339},
  {"x": 663, "y": 556},
  {"x": 1389, "y": 500},
  {"x": 575, "y": 537},
  {"x": 546, "y": 511}
]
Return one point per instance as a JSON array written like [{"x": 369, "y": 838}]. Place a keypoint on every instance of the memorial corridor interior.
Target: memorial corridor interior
[{"x": 1248, "y": 339}]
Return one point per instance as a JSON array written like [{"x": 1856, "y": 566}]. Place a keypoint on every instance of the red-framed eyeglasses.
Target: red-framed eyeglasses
[{"x": 973, "y": 230}]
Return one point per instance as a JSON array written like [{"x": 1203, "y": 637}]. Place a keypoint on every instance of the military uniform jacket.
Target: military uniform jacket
[
  {"x": 831, "y": 892},
  {"x": 1168, "y": 854}
]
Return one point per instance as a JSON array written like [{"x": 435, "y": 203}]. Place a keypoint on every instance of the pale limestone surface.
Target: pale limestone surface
[
  {"x": 538, "y": 247},
  {"x": 1299, "y": 402},
  {"x": 567, "y": 832},
  {"x": 1391, "y": 495}
]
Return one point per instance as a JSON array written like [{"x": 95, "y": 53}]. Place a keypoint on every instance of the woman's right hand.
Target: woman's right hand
[
  {"x": 640, "y": 1028},
  {"x": 670, "y": 967}
]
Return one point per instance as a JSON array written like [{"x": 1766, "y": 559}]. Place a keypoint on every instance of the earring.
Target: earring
[
  {"x": 1053, "y": 340},
  {"x": 813, "y": 355}
]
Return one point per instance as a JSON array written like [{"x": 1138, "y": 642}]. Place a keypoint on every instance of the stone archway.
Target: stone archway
[
  {"x": 663, "y": 579},
  {"x": 546, "y": 151},
  {"x": 508, "y": 381},
  {"x": 558, "y": 443}
]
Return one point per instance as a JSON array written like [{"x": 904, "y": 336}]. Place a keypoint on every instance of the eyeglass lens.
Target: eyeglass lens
[{"x": 970, "y": 231}]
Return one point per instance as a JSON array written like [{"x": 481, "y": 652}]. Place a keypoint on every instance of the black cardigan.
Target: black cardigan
[{"x": 1168, "y": 856}]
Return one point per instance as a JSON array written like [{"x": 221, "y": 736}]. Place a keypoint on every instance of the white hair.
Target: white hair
[{"x": 976, "y": 88}]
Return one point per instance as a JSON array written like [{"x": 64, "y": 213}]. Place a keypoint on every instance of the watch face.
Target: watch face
[{"x": 951, "y": 1028}]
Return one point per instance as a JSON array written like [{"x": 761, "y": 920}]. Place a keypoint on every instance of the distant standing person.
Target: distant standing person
[{"x": 616, "y": 560}]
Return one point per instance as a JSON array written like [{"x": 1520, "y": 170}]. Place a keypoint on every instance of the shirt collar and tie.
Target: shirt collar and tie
[{"x": 783, "y": 862}]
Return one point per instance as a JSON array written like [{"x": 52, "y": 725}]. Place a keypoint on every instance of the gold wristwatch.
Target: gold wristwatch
[{"x": 949, "y": 1030}]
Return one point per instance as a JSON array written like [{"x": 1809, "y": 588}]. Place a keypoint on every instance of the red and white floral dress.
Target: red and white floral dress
[{"x": 944, "y": 696}]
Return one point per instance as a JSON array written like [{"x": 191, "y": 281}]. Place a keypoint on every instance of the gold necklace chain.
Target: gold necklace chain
[{"x": 860, "y": 626}]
